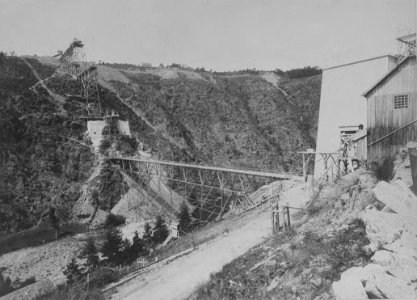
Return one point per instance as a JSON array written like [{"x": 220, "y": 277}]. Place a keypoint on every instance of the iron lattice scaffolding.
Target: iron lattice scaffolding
[
  {"x": 74, "y": 62},
  {"x": 211, "y": 191}
]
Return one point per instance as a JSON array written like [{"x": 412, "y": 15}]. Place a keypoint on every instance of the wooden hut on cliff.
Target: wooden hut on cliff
[{"x": 392, "y": 111}]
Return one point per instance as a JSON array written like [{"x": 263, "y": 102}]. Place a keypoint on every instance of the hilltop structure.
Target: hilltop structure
[{"x": 99, "y": 124}]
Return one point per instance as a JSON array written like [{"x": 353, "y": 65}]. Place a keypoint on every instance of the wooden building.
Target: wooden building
[
  {"x": 342, "y": 104},
  {"x": 392, "y": 111}
]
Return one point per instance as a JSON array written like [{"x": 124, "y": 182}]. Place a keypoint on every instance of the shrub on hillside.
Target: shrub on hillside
[
  {"x": 126, "y": 145},
  {"x": 138, "y": 247},
  {"x": 114, "y": 220},
  {"x": 72, "y": 271},
  {"x": 147, "y": 235},
  {"x": 105, "y": 144},
  {"x": 303, "y": 72},
  {"x": 113, "y": 246},
  {"x": 385, "y": 171},
  {"x": 91, "y": 254},
  {"x": 160, "y": 230},
  {"x": 70, "y": 292},
  {"x": 184, "y": 219},
  {"x": 346, "y": 249}
]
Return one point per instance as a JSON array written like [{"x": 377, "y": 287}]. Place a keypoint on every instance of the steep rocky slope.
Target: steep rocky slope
[
  {"x": 40, "y": 165},
  {"x": 243, "y": 120}
]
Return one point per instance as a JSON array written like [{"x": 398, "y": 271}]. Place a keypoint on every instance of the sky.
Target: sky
[{"x": 221, "y": 35}]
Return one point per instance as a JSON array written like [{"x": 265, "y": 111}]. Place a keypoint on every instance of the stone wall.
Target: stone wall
[
  {"x": 123, "y": 127},
  {"x": 95, "y": 132}
]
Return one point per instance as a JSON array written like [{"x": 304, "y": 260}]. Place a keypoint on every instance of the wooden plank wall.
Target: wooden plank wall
[
  {"x": 361, "y": 149},
  {"x": 384, "y": 119}
]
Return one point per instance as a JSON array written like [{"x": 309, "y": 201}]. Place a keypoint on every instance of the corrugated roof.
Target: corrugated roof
[{"x": 405, "y": 59}]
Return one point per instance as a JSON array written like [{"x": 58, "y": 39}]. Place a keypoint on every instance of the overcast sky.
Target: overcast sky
[{"x": 216, "y": 34}]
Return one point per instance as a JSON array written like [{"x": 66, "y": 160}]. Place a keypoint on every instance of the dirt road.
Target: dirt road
[{"x": 181, "y": 277}]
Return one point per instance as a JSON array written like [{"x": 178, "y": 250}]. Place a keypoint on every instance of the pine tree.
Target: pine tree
[
  {"x": 90, "y": 252},
  {"x": 52, "y": 218},
  {"x": 126, "y": 253},
  {"x": 72, "y": 271},
  {"x": 147, "y": 235},
  {"x": 138, "y": 246},
  {"x": 113, "y": 246},
  {"x": 184, "y": 219},
  {"x": 160, "y": 230}
]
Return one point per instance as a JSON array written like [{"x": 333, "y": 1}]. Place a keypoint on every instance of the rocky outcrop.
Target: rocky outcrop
[
  {"x": 397, "y": 196},
  {"x": 392, "y": 232},
  {"x": 371, "y": 282}
]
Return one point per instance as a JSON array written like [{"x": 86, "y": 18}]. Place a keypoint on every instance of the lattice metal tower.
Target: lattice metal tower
[
  {"x": 74, "y": 62},
  {"x": 406, "y": 42}
]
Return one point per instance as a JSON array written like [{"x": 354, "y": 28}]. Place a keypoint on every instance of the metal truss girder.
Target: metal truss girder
[{"x": 209, "y": 189}]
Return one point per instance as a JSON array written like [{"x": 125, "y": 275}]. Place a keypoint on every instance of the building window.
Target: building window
[{"x": 400, "y": 101}]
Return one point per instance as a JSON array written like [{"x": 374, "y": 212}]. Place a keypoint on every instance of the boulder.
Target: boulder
[
  {"x": 388, "y": 210},
  {"x": 406, "y": 244},
  {"x": 362, "y": 273},
  {"x": 349, "y": 288},
  {"x": 404, "y": 267},
  {"x": 402, "y": 167},
  {"x": 377, "y": 283},
  {"x": 397, "y": 196},
  {"x": 383, "y": 257},
  {"x": 402, "y": 263},
  {"x": 381, "y": 227},
  {"x": 390, "y": 287}
]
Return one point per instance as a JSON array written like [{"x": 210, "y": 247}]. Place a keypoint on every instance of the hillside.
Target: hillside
[{"x": 242, "y": 120}]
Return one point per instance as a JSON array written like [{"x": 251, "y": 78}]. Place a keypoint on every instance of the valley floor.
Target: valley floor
[{"x": 181, "y": 277}]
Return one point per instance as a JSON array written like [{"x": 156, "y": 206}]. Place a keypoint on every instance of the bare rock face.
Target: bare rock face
[
  {"x": 404, "y": 267},
  {"x": 397, "y": 196},
  {"x": 374, "y": 281},
  {"x": 349, "y": 288},
  {"x": 391, "y": 287},
  {"x": 402, "y": 166},
  {"x": 383, "y": 258},
  {"x": 382, "y": 228}
]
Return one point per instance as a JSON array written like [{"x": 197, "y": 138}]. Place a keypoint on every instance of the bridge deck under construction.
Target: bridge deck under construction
[{"x": 212, "y": 168}]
